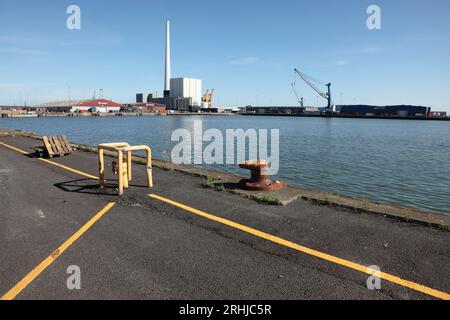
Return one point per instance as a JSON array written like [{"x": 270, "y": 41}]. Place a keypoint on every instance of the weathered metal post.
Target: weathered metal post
[
  {"x": 123, "y": 167},
  {"x": 129, "y": 165},
  {"x": 101, "y": 167},
  {"x": 120, "y": 167},
  {"x": 149, "y": 168},
  {"x": 148, "y": 162}
]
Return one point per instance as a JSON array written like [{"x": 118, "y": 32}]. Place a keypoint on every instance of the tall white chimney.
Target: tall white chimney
[{"x": 167, "y": 73}]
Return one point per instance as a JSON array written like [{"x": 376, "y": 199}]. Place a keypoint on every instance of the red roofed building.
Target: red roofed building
[{"x": 98, "y": 105}]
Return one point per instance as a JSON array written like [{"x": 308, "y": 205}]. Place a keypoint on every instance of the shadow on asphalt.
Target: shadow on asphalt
[
  {"x": 87, "y": 186},
  {"x": 35, "y": 155},
  {"x": 91, "y": 186}
]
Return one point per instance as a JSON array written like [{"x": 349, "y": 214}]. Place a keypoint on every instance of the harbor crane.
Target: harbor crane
[
  {"x": 300, "y": 100},
  {"x": 309, "y": 82},
  {"x": 207, "y": 97}
]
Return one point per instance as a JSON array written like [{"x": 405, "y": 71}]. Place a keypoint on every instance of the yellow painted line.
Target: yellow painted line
[
  {"x": 315, "y": 253},
  {"x": 81, "y": 173},
  {"x": 53, "y": 163},
  {"x": 275, "y": 239},
  {"x": 14, "y": 148},
  {"x": 11, "y": 294}
]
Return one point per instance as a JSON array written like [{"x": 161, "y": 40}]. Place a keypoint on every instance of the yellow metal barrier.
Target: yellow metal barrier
[{"x": 123, "y": 166}]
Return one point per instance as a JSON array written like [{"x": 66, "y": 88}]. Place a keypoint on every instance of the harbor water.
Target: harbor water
[{"x": 401, "y": 162}]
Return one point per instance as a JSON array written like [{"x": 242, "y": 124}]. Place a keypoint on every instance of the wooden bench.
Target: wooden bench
[{"x": 56, "y": 146}]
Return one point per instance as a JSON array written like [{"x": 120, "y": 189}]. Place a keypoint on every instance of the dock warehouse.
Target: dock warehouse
[
  {"x": 276, "y": 110},
  {"x": 98, "y": 105},
  {"x": 94, "y": 105},
  {"x": 385, "y": 111}
]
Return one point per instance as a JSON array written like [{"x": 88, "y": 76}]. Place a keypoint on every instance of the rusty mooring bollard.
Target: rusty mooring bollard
[{"x": 259, "y": 180}]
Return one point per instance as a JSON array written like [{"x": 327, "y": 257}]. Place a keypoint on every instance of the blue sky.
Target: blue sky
[{"x": 246, "y": 50}]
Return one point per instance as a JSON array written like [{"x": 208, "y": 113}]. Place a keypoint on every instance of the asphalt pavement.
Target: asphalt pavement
[{"x": 145, "y": 248}]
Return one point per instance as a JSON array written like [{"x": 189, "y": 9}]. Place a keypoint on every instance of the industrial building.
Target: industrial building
[
  {"x": 180, "y": 94},
  {"x": 439, "y": 114},
  {"x": 281, "y": 110},
  {"x": 187, "y": 88},
  {"x": 147, "y": 107},
  {"x": 57, "y": 106},
  {"x": 142, "y": 97},
  {"x": 97, "y": 105},
  {"x": 94, "y": 105},
  {"x": 183, "y": 104},
  {"x": 385, "y": 111}
]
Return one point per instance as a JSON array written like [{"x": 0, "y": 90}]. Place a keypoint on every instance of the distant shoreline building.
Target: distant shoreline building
[
  {"x": 147, "y": 107},
  {"x": 81, "y": 106},
  {"x": 385, "y": 111},
  {"x": 187, "y": 88},
  {"x": 396, "y": 111},
  {"x": 183, "y": 104},
  {"x": 284, "y": 110},
  {"x": 98, "y": 105}
]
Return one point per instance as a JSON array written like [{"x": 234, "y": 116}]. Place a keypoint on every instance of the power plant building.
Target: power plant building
[
  {"x": 182, "y": 104},
  {"x": 187, "y": 88},
  {"x": 180, "y": 94}
]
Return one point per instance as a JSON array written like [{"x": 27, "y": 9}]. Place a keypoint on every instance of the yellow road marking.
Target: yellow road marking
[
  {"x": 81, "y": 173},
  {"x": 13, "y": 148},
  {"x": 53, "y": 163},
  {"x": 280, "y": 241},
  {"x": 315, "y": 253},
  {"x": 22, "y": 284}
]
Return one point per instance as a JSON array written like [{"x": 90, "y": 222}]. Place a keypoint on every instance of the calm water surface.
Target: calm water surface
[{"x": 394, "y": 161}]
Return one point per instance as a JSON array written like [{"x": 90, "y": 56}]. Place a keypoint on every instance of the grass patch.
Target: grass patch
[
  {"x": 365, "y": 204},
  {"x": 167, "y": 167},
  {"x": 327, "y": 200},
  {"x": 221, "y": 188},
  {"x": 208, "y": 181},
  {"x": 268, "y": 199}
]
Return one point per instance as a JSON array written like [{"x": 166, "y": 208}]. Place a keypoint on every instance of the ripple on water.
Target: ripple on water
[{"x": 400, "y": 162}]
